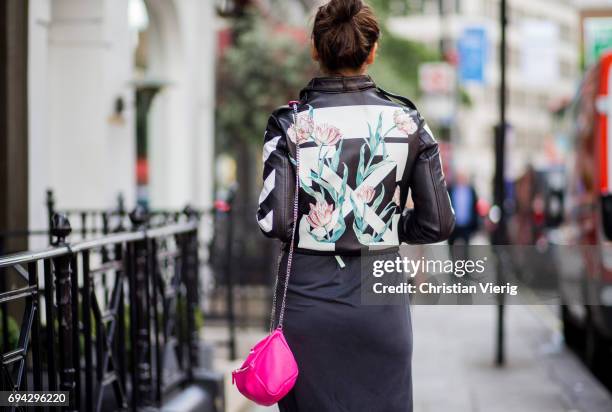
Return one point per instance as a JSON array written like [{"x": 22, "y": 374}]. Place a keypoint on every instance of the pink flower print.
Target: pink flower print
[
  {"x": 327, "y": 135},
  {"x": 366, "y": 194},
  {"x": 320, "y": 214},
  {"x": 302, "y": 130},
  {"x": 396, "y": 195},
  {"x": 404, "y": 122}
]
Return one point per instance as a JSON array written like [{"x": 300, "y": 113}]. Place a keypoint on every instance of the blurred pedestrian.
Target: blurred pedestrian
[
  {"x": 465, "y": 203},
  {"x": 358, "y": 150}
]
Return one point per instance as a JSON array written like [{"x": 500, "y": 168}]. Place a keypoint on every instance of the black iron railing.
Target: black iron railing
[
  {"x": 90, "y": 222},
  {"x": 112, "y": 320},
  {"x": 235, "y": 269}
]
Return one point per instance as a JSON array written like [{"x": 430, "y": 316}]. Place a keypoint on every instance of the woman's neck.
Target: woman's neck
[{"x": 346, "y": 72}]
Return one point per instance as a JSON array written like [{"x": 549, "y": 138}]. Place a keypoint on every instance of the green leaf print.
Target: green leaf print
[
  {"x": 318, "y": 196},
  {"x": 361, "y": 167},
  {"x": 378, "y": 199},
  {"x": 358, "y": 215},
  {"x": 339, "y": 230},
  {"x": 336, "y": 159},
  {"x": 369, "y": 134},
  {"x": 375, "y": 166},
  {"x": 343, "y": 187},
  {"x": 379, "y": 236},
  {"x": 375, "y": 141},
  {"x": 325, "y": 185}
]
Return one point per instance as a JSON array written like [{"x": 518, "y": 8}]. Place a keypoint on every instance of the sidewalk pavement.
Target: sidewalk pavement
[
  {"x": 453, "y": 363},
  {"x": 246, "y": 338}
]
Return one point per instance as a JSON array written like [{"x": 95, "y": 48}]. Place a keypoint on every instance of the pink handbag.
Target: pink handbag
[{"x": 270, "y": 370}]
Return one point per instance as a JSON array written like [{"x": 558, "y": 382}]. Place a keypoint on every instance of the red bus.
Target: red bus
[{"x": 585, "y": 275}]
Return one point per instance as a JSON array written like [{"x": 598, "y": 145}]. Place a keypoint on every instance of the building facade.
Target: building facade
[{"x": 83, "y": 76}]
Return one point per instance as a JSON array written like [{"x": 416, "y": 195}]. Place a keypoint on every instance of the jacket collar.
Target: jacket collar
[{"x": 339, "y": 84}]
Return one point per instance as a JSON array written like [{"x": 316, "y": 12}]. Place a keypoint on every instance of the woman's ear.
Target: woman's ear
[
  {"x": 372, "y": 55},
  {"x": 313, "y": 52}
]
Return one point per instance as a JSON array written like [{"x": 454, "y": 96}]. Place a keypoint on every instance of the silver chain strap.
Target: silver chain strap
[
  {"x": 295, "y": 218},
  {"x": 278, "y": 266}
]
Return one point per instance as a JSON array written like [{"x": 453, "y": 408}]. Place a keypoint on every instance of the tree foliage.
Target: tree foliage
[
  {"x": 265, "y": 67},
  {"x": 398, "y": 60}
]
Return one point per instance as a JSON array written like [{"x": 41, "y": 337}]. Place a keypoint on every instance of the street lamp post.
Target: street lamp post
[
  {"x": 500, "y": 235},
  {"x": 443, "y": 40}
]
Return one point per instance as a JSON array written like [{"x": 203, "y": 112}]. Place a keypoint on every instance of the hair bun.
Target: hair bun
[
  {"x": 344, "y": 32},
  {"x": 343, "y": 11}
]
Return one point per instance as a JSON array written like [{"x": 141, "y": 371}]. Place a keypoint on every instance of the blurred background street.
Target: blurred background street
[
  {"x": 452, "y": 368},
  {"x": 132, "y": 270}
]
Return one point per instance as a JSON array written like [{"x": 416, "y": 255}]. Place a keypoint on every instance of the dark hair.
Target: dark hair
[{"x": 344, "y": 33}]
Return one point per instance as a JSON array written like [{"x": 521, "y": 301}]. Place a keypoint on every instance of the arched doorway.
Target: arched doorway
[{"x": 164, "y": 173}]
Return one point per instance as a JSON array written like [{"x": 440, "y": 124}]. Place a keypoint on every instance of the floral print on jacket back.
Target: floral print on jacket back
[
  {"x": 363, "y": 153},
  {"x": 348, "y": 161}
]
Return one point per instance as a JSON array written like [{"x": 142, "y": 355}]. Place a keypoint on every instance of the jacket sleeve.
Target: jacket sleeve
[
  {"x": 274, "y": 213},
  {"x": 432, "y": 219}
]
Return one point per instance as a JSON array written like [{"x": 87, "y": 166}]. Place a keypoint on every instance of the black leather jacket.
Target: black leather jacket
[{"x": 361, "y": 151}]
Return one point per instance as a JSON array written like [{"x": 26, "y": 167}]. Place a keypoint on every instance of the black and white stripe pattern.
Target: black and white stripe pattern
[{"x": 275, "y": 161}]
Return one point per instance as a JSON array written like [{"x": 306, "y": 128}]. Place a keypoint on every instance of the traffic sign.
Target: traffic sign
[
  {"x": 472, "y": 48},
  {"x": 597, "y": 38},
  {"x": 437, "y": 78}
]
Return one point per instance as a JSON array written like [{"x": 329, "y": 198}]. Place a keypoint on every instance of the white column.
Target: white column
[
  {"x": 169, "y": 125},
  {"x": 80, "y": 63},
  {"x": 181, "y": 149},
  {"x": 198, "y": 32},
  {"x": 118, "y": 75},
  {"x": 205, "y": 138}
]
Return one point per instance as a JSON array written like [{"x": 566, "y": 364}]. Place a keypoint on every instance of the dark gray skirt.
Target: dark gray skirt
[{"x": 351, "y": 357}]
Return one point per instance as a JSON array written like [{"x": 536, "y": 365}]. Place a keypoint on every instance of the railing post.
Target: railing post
[
  {"x": 84, "y": 224},
  {"x": 60, "y": 229},
  {"x": 121, "y": 255},
  {"x": 3, "y": 312},
  {"x": 105, "y": 231},
  {"x": 120, "y": 213},
  {"x": 50, "y": 212},
  {"x": 120, "y": 204},
  {"x": 191, "y": 278},
  {"x": 229, "y": 276},
  {"x": 36, "y": 341},
  {"x": 139, "y": 314},
  {"x": 87, "y": 333}
]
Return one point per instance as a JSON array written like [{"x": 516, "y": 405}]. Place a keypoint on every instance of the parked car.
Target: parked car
[{"x": 585, "y": 235}]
